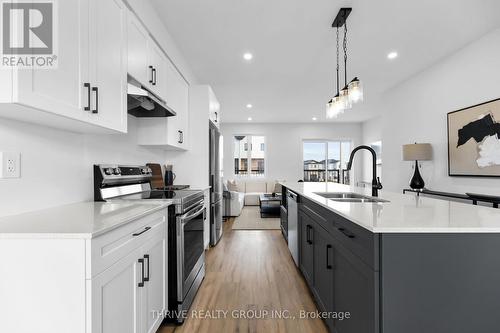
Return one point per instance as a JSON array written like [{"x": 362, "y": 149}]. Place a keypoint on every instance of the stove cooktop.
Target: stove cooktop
[{"x": 183, "y": 199}]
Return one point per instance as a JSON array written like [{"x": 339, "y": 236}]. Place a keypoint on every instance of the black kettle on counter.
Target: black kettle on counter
[{"x": 169, "y": 175}]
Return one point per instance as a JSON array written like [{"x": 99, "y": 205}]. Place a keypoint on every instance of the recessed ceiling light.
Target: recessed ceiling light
[
  {"x": 392, "y": 55},
  {"x": 247, "y": 56},
  {"x": 249, "y": 118},
  {"x": 314, "y": 118},
  {"x": 249, "y": 106}
]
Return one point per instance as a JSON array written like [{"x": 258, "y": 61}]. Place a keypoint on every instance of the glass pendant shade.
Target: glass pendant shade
[
  {"x": 355, "y": 91},
  {"x": 344, "y": 100},
  {"x": 333, "y": 108}
]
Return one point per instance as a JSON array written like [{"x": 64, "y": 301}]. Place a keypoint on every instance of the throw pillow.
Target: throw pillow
[{"x": 232, "y": 185}]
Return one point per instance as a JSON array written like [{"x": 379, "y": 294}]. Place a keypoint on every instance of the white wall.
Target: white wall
[
  {"x": 415, "y": 111},
  {"x": 284, "y": 144},
  {"x": 56, "y": 166},
  {"x": 371, "y": 132}
]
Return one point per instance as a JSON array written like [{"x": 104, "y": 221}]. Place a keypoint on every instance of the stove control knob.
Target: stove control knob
[
  {"x": 117, "y": 171},
  {"x": 108, "y": 171}
]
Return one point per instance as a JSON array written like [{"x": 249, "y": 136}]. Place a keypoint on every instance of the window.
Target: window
[
  {"x": 326, "y": 161},
  {"x": 249, "y": 162}
]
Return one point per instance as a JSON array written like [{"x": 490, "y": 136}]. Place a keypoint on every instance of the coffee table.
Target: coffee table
[{"x": 269, "y": 205}]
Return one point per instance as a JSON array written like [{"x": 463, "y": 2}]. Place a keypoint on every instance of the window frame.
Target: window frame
[
  {"x": 325, "y": 142},
  {"x": 249, "y": 156}
]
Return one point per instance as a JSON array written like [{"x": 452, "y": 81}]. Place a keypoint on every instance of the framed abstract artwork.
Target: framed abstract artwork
[{"x": 474, "y": 141}]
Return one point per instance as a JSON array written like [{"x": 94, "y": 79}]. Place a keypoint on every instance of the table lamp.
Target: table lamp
[{"x": 417, "y": 152}]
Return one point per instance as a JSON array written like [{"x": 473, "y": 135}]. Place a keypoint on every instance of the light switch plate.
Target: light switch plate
[{"x": 10, "y": 166}]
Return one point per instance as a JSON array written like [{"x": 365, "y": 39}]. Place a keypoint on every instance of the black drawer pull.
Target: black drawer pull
[
  {"x": 96, "y": 90},
  {"x": 140, "y": 233},
  {"x": 146, "y": 257},
  {"x": 328, "y": 266},
  {"x": 87, "y": 85},
  {"x": 152, "y": 75},
  {"x": 308, "y": 234},
  {"x": 346, "y": 233},
  {"x": 141, "y": 284}
]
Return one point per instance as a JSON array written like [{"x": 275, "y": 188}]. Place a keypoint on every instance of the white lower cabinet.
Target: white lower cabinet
[
  {"x": 115, "y": 297},
  {"x": 113, "y": 283},
  {"x": 130, "y": 295}
]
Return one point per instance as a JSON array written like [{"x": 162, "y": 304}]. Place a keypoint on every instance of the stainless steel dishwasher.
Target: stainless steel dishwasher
[{"x": 293, "y": 233}]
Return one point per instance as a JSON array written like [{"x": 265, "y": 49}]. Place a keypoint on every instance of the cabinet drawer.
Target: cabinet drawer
[
  {"x": 107, "y": 249},
  {"x": 361, "y": 242}
]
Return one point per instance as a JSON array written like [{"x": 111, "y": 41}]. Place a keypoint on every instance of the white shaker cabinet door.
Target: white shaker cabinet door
[
  {"x": 116, "y": 297},
  {"x": 138, "y": 66},
  {"x": 61, "y": 90},
  {"x": 108, "y": 59},
  {"x": 154, "y": 302}
]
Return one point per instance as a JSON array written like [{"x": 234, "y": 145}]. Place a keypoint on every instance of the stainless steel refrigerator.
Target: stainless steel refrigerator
[{"x": 215, "y": 182}]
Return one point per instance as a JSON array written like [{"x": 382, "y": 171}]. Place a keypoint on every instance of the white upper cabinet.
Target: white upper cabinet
[
  {"x": 213, "y": 108},
  {"x": 138, "y": 62},
  {"x": 61, "y": 91},
  {"x": 146, "y": 61},
  {"x": 108, "y": 62},
  {"x": 86, "y": 92},
  {"x": 170, "y": 133}
]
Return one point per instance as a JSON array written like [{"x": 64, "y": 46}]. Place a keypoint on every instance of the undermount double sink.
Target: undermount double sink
[{"x": 348, "y": 197}]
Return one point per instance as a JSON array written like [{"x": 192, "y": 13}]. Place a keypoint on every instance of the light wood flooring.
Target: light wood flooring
[{"x": 251, "y": 270}]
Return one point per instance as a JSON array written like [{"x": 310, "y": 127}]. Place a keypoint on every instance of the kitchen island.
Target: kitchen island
[{"x": 404, "y": 264}]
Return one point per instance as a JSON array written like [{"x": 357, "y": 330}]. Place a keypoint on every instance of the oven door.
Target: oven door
[{"x": 190, "y": 248}]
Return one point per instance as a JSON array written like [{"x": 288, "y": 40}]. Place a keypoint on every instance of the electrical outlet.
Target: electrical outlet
[{"x": 10, "y": 166}]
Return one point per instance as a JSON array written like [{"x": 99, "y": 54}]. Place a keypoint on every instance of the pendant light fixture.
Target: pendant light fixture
[{"x": 352, "y": 92}]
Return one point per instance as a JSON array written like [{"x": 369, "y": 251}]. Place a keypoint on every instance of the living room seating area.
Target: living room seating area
[{"x": 239, "y": 193}]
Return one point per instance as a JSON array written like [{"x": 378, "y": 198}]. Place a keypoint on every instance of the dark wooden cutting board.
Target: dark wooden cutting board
[{"x": 157, "y": 180}]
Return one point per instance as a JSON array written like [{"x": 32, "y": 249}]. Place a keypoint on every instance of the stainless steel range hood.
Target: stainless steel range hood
[{"x": 143, "y": 103}]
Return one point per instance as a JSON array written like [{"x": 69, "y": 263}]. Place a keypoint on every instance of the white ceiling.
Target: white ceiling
[{"x": 291, "y": 75}]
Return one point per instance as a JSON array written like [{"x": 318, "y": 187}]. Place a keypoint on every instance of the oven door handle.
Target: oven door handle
[{"x": 192, "y": 214}]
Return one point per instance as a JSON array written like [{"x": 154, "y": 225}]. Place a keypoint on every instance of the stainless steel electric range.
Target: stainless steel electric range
[{"x": 186, "y": 216}]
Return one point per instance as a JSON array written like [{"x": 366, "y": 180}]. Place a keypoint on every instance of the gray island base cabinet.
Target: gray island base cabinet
[{"x": 399, "y": 282}]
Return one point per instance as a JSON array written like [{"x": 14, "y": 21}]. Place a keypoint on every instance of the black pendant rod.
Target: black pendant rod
[
  {"x": 338, "y": 61},
  {"x": 345, "y": 53}
]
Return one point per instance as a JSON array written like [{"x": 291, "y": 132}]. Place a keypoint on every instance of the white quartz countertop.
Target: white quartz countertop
[
  {"x": 404, "y": 213},
  {"x": 79, "y": 220}
]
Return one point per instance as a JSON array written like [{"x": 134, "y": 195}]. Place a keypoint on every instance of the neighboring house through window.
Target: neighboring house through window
[
  {"x": 249, "y": 162},
  {"x": 326, "y": 161}
]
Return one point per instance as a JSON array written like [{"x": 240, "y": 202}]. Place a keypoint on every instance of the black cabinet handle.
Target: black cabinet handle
[
  {"x": 141, "y": 284},
  {"x": 154, "y": 76},
  {"x": 328, "y": 266},
  {"x": 146, "y": 257},
  {"x": 140, "y": 233},
  {"x": 87, "y": 85},
  {"x": 151, "y": 80},
  {"x": 346, "y": 233},
  {"x": 308, "y": 234},
  {"x": 181, "y": 137},
  {"x": 216, "y": 116},
  {"x": 96, "y": 99}
]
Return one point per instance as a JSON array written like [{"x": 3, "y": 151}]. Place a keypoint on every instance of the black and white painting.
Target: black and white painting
[{"x": 474, "y": 140}]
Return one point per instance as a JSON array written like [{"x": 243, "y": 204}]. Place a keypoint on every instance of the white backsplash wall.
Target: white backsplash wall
[
  {"x": 415, "y": 111},
  {"x": 56, "y": 166},
  {"x": 284, "y": 145}
]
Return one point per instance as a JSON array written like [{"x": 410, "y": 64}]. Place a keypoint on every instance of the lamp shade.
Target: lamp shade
[{"x": 417, "y": 152}]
